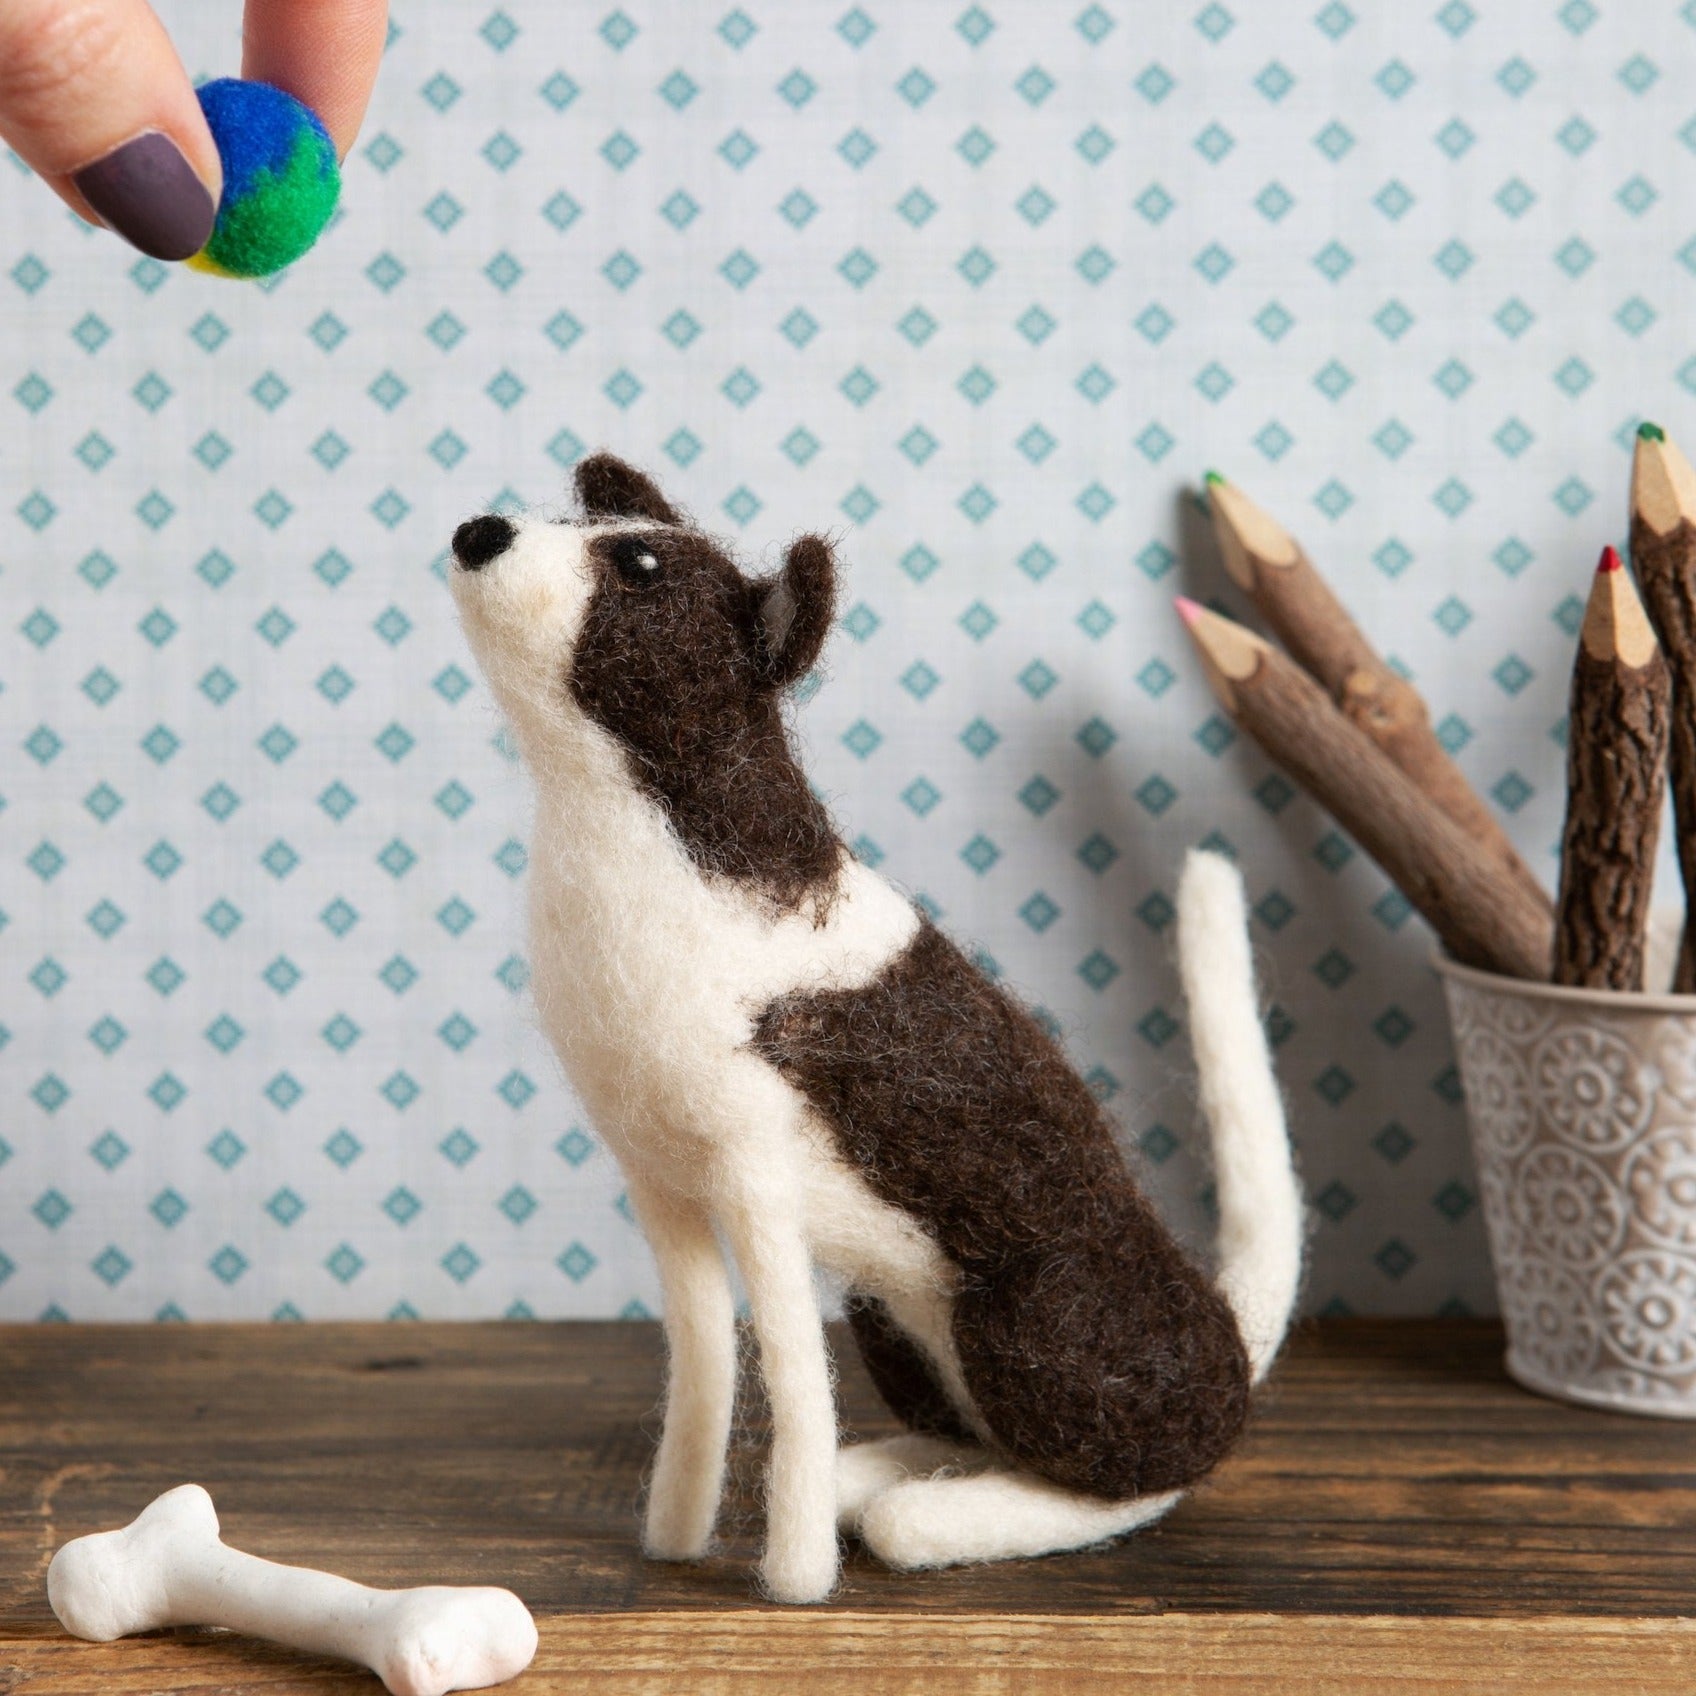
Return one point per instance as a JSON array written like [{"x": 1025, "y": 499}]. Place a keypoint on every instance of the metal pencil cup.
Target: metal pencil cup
[{"x": 1582, "y": 1107}]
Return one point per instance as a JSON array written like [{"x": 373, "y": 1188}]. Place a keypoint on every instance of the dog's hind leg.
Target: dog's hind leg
[
  {"x": 994, "y": 1515},
  {"x": 700, "y": 1334}
]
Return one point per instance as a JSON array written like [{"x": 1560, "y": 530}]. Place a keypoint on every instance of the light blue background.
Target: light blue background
[{"x": 983, "y": 291}]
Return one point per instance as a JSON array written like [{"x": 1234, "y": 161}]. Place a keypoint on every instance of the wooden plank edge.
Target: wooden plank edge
[{"x": 764, "y": 1652}]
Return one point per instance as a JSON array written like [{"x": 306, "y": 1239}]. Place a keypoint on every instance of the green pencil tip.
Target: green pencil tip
[
  {"x": 1651, "y": 432},
  {"x": 1212, "y": 479}
]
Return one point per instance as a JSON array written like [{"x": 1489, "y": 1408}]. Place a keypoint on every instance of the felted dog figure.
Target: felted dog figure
[{"x": 781, "y": 1048}]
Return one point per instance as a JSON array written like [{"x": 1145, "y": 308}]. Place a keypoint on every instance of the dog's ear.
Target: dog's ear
[
  {"x": 608, "y": 488},
  {"x": 794, "y": 610}
]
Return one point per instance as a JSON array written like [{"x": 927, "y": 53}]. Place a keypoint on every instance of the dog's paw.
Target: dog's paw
[
  {"x": 994, "y": 1515},
  {"x": 906, "y": 1525},
  {"x": 865, "y": 1470},
  {"x": 675, "y": 1546},
  {"x": 683, "y": 1534},
  {"x": 806, "y": 1573}
]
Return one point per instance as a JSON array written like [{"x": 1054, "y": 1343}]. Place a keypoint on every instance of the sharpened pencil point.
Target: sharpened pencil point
[
  {"x": 1189, "y": 611},
  {"x": 1615, "y": 627},
  {"x": 1212, "y": 479},
  {"x": 1663, "y": 485}
]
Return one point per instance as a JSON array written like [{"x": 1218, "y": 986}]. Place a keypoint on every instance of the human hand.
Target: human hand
[{"x": 94, "y": 97}]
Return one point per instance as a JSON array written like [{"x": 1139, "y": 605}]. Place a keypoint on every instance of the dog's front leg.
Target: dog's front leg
[
  {"x": 764, "y": 1223},
  {"x": 700, "y": 1335}
]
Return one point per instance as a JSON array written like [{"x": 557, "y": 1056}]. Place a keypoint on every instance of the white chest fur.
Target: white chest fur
[
  {"x": 649, "y": 976},
  {"x": 626, "y": 930}
]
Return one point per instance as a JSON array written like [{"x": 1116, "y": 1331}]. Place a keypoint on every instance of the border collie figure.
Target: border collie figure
[{"x": 781, "y": 1049}]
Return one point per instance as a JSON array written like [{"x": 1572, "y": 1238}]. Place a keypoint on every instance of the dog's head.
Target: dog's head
[
  {"x": 631, "y": 621},
  {"x": 632, "y": 617}
]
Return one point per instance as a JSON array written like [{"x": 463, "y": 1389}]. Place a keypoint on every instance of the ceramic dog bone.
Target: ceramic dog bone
[
  {"x": 781, "y": 1048},
  {"x": 168, "y": 1567}
]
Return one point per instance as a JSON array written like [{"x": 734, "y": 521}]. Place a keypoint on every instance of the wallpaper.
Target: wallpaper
[{"x": 983, "y": 291}]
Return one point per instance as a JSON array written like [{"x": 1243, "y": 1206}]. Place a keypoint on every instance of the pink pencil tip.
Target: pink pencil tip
[
  {"x": 1189, "y": 611},
  {"x": 1609, "y": 561}
]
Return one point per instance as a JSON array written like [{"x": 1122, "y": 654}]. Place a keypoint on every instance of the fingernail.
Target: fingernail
[{"x": 148, "y": 193}]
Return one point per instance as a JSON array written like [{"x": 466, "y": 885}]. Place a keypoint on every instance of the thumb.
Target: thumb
[{"x": 94, "y": 97}]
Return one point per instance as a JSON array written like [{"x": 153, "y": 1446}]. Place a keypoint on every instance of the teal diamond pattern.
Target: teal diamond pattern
[{"x": 262, "y": 843}]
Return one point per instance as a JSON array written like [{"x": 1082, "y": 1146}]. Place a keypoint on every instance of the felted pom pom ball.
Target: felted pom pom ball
[{"x": 281, "y": 178}]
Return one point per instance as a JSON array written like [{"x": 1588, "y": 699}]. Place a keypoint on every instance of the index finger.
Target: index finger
[{"x": 323, "y": 52}]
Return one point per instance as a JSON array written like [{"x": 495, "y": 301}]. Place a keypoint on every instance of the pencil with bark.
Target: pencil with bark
[
  {"x": 1484, "y": 915},
  {"x": 1270, "y": 566},
  {"x": 1663, "y": 556},
  {"x": 1616, "y": 783}
]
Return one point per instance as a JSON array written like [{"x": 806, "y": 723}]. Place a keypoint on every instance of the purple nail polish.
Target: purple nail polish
[{"x": 148, "y": 193}]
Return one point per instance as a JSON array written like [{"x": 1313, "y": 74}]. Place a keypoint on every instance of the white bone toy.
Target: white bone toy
[{"x": 168, "y": 1567}]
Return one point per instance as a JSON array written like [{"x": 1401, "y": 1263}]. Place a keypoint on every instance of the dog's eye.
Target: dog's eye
[{"x": 635, "y": 562}]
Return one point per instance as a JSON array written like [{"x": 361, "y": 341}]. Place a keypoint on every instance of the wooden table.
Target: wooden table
[{"x": 1401, "y": 1518}]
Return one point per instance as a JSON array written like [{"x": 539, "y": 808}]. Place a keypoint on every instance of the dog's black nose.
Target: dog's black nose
[{"x": 479, "y": 540}]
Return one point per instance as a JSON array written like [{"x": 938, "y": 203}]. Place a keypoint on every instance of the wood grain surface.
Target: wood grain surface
[
  {"x": 883, "y": 1654},
  {"x": 1400, "y": 1516}
]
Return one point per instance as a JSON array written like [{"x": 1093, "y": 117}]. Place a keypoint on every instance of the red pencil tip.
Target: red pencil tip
[
  {"x": 1610, "y": 560},
  {"x": 1189, "y": 611}
]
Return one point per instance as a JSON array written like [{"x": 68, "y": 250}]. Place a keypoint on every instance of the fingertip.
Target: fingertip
[
  {"x": 324, "y": 52},
  {"x": 147, "y": 191}
]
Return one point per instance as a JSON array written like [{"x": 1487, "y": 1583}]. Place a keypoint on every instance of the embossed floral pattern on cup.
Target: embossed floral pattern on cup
[
  {"x": 1590, "y": 1090},
  {"x": 1582, "y": 1108},
  {"x": 1495, "y": 1071},
  {"x": 1568, "y": 1206},
  {"x": 1660, "y": 1178},
  {"x": 1555, "y": 1324},
  {"x": 1649, "y": 1306}
]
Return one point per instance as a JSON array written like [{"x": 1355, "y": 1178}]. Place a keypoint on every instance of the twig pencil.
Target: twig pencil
[
  {"x": 1615, "y": 784},
  {"x": 1268, "y": 564},
  {"x": 1484, "y": 916},
  {"x": 1663, "y": 555}
]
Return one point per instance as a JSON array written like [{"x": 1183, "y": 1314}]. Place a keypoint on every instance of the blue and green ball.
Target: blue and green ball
[{"x": 281, "y": 179}]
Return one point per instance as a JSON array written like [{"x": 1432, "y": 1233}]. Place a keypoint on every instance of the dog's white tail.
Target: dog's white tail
[{"x": 1260, "y": 1206}]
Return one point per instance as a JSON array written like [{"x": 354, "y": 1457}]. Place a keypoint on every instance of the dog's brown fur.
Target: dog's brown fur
[
  {"x": 683, "y": 672},
  {"x": 1098, "y": 1356},
  {"x": 902, "y": 1373}
]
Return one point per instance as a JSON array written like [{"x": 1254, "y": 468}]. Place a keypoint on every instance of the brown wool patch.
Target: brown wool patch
[
  {"x": 679, "y": 668},
  {"x": 1099, "y": 1356},
  {"x": 902, "y": 1373},
  {"x": 802, "y": 599},
  {"x": 608, "y": 488}
]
